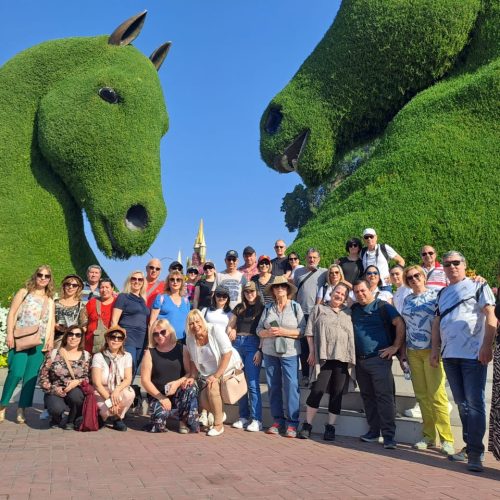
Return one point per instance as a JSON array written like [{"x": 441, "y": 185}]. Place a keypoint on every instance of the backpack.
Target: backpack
[{"x": 384, "y": 252}]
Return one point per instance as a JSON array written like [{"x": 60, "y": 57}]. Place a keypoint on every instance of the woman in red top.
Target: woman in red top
[{"x": 106, "y": 303}]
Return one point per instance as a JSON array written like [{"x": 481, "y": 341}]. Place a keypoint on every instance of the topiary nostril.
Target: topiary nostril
[
  {"x": 136, "y": 218},
  {"x": 273, "y": 121}
]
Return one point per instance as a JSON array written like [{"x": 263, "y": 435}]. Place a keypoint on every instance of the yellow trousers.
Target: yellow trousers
[{"x": 428, "y": 384}]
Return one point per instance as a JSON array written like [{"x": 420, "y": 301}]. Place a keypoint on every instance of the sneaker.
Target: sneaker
[
  {"x": 291, "y": 432},
  {"x": 183, "y": 428},
  {"x": 119, "y": 425},
  {"x": 422, "y": 445},
  {"x": 274, "y": 429},
  {"x": 329, "y": 434},
  {"x": 254, "y": 426},
  {"x": 370, "y": 437},
  {"x": 305, "y": 431},
  {"x": 203, "y": 418},
  {"x": 414, "y": 412},
  {"x": 474, "y": 463},
  {"x": 461, "y": 456},
  {"x": 241, "y": 423},
  {"x": 390, "y": 444},
  {"x": 44, "y": 415},
  {"x": 447, "y": 448}
]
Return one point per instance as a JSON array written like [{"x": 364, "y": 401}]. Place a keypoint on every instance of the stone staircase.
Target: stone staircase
[{"x": 352, "y": 421}]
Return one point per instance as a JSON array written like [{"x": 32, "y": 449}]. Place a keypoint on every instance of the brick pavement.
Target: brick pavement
[{"x": 38, "y": 463}]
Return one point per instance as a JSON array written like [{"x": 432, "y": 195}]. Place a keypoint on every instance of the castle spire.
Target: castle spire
[{"x": 200, "y": 246}]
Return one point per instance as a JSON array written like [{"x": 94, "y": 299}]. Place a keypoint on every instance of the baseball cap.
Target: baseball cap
[
  {"x": 370, "y": 231},
  {"x": 232, "y": 253},
  {"x": 248, "y": 250}
]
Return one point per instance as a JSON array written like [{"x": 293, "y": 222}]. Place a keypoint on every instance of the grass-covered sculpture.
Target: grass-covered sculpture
[
  {"x": 424, "y": 77},
  {"x": 80, "y": 126}
]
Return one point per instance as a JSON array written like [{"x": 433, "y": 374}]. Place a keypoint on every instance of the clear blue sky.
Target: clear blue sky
[{"x": 228, "y": 59}]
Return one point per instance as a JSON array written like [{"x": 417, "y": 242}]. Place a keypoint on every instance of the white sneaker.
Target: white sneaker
[
  {"x": 241, "y": 423},
  {"x": 447, "y": 448},
  {"x": 44, "y": 415},
  {"x": 414, "y": 412},
  {"x": 203, "y": 418},
  {"x": 254, "y": 426}
]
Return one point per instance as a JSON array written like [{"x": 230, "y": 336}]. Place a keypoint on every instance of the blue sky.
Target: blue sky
[{"x": 228, "y": 59}]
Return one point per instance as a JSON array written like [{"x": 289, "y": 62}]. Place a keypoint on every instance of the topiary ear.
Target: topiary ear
[
  {"x": 158, "y": 56},
  {"x": 128, "y": 31}
]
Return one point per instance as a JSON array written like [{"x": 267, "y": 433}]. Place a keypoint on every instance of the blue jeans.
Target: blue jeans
[
  {"x": 136, "y": 353},
  {"x": 283, "y": 376},
  {"x": 251, "y": 403},
  {"x": 467, "y": 378}
]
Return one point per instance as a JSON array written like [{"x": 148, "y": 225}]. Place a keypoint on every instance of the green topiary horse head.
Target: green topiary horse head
[
  {"x": 80, "y": 126},
  {"x": 424, "y": 78}
]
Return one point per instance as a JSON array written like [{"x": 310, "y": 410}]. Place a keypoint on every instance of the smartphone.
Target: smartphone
[
  {"x": 274, "y": 323},
  {"x": 108, "y": 403}
]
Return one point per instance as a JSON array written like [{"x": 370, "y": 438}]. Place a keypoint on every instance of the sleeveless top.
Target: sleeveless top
[
  {"x": 29, "y": 313},
  {"x": 248, "y": 321},
  {"x": 167, "y": 366},
  {"x": 206, "y": 288}
]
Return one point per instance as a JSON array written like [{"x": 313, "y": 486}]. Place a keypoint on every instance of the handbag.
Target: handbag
[
  {"x": 26, "y": 337},
  {"x": 99, "y": 331},
  {"x": 280, "y": 345},
  {"x": 233, "y": 386}
]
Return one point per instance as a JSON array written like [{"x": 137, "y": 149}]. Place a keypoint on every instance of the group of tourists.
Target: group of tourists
[{"x": 321, "y": 328}]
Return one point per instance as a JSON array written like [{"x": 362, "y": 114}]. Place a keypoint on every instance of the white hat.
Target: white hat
[{"x": 369, "y": 230}]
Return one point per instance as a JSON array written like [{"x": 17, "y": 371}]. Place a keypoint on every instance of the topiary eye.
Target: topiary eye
[{"x": 109, "y": 95}]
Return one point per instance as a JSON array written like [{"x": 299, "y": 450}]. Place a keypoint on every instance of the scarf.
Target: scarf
[{"x": 114, "y": 377}]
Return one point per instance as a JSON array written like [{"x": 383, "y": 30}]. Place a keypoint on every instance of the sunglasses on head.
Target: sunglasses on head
[
  {"x": 163, "y": 333},
  {"x": 134, "y": 278},
  {"x": 369, "y": 237},
  {"x": 175, "y": 280},
  {"x": 43, "y": 276},
  {"x": 75, "y": 334},
  {"x": 153, "y": 268},
  {"x": 117, "y": 338},
  {"x": 411, "y": 277},
  {"x": 424, "y": 254},
  {"x": 450, "y": 263},
  {"x": 71, "y": 285},
  {"x": 371, "y": 273}
]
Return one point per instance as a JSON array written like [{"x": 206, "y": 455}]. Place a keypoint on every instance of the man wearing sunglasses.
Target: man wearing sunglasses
[
  {"x": 280, "y": 265},
  {"x": 379, "y": 255},
  {"x": 231, "y": 278},
  {"x": 154, "y": 286},
  {"x": 462, "y": 334},
  {"x": 436, "y": 277}
]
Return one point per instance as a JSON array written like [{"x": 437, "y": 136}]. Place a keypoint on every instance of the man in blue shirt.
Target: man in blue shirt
[{"x": 379, "y": 332}]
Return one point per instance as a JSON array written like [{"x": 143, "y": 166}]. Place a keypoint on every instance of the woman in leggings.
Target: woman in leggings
[{"x": 330, "y": 335}]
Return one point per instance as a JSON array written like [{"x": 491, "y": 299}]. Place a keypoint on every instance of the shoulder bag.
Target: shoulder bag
[
  {"x": 27, "y": 337},
  {"x": 233, "y": 386},
  {"x": 100, "y": 329}
]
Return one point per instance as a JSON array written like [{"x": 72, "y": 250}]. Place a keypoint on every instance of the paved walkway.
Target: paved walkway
[{"x": 39, "y": 463}]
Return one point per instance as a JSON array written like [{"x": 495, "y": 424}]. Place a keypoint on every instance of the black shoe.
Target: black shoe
[
  {"x": 474, "y": 463},
  {"x": 329, "y": 434},
  {"x": 119, "y": 425},
  {"x": 54, "y": 423},
  {"x": 370, "y": 437},
  {"x": 100, "y": 422},
  {"x": 78, "y": 423},
  {"x": 305, "y": 431}
]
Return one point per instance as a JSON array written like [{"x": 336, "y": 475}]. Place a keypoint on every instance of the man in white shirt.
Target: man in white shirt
[{"x": 379, "y": 255}]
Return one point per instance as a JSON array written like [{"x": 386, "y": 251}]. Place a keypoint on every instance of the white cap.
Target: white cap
[{"x": 369, "y": 230}]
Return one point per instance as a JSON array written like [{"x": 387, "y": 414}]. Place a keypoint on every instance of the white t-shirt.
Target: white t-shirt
[
  {"x": 462, "y": 330},
  {"x": 207, "y": 360},
  {"x": 98, "y": 361},
  {"x": 376, "y": 258},
  {"x": 217, "y": 317},
  {"x": 399, "y": 296}
]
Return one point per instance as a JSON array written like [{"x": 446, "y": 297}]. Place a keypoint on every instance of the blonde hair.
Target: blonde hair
[
  {"x": 335, "y": 266},
  {"x": 167, "y": 283},
  {"x": 417, "y": 268},
  {"x": 126, "y": 286},
  {"x": 164, "y": 324},
  {"x": 192, "y": 314},
  {"x": 31, "y": 282}
]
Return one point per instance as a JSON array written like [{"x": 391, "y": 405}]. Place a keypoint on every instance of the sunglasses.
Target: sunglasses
[
  {"x": 424, "y": 254},
  {"x": 293, "y": 258},
  {"x": 206, "y": 268},
  {"x": 413, "y": 277},
  {"x": 75, "y": 334},
  {"x": 231, "y": 259},
  {"x": 334, "y": 272},
  {"x": 176, "y": 268},
  {"x": 163, "y": 333},
  {"x": 281, "y": 285},
  {"x": 43, "y": 276},
  {"x": 71, "y": 285},
  {"x": 264, "y": 263},
  {"x": 133, "y": 279},
  {"x": 279, "y": 246},
  {"x": 221, "y": 296},
  {"x": 371, "y": 273},
  {"x": 352, "y": 245},
  {"x": 454, "y": 263},
  {"x": 153, "y": 268},
  {"x": 175, "y": 280},
  {"x": 369, "y": 237},
  {"x": 117, "y": 338}
]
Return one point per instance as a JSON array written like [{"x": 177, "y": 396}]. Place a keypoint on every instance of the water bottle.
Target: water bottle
[{"x": 406, "y": 370}]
